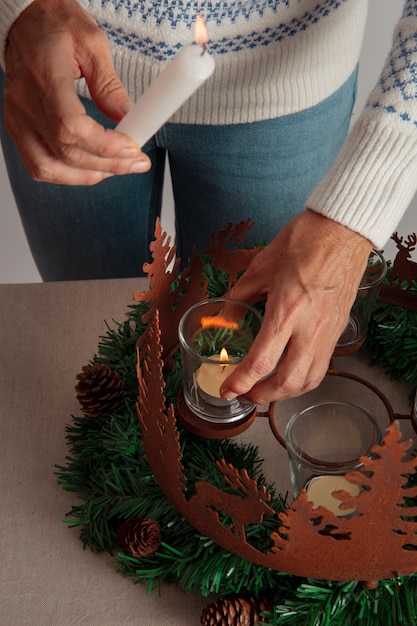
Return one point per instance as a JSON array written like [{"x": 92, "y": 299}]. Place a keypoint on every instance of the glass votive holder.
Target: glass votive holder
[
  {"x": 414, "y": 413},
  {"x": 324, "y": 442},
  {"x": 355, "y": 330},
  {"x": 214, "y": 337}
]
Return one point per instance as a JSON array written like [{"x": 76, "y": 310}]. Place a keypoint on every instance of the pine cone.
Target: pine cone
[
  {"x": 139, "y": 536},
  {"x": 235, "y": 611},
  {"x": 100, "y": 390}
]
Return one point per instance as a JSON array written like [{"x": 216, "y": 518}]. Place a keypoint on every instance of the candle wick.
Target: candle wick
[{"x": 204, "y": 46}]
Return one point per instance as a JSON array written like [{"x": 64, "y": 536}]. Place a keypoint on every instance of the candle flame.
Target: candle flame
[
  {"x": 201, "y": 35},
  {"x": 224, "y": 355},
  {"x": 217, "y": 321}
]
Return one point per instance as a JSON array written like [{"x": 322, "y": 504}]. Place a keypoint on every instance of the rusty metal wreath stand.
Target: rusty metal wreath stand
[
  {"x": 378, "y": 542},
  {"x": 370, "y": 546}
]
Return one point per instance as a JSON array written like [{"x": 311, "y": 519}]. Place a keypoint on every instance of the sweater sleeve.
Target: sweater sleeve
[
  {"x": 374, "y": 177},
  {"x": 9, "y": 12}
]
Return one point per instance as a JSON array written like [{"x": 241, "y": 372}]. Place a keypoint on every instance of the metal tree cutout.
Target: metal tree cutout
[
  {"x": 377, "y": 541},
  {"x": 162, "y": 296}
]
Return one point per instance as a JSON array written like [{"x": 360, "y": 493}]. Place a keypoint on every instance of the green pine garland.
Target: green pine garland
[
  {"x": 320, "y": 603},
  {"x": 107, "y": 468},
  {"x": 392, "y": 336}
]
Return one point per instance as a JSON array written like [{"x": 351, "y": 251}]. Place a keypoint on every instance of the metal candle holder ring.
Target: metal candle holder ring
[{"x": 392, "y": 416}]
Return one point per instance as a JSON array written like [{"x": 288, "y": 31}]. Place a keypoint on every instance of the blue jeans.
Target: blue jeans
[{"x": 263, "y": 170}]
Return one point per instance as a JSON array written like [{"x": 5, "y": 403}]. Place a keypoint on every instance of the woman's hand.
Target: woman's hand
[
  {"x": 309, "y": 274},
  {"x": 50, "y": 45}
]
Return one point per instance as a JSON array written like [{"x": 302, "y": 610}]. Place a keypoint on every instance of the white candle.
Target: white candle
[
  {"x": 320, "y": 493},
  {"x": 190, "y": 68},
  {"x": 211, "y": 376}
]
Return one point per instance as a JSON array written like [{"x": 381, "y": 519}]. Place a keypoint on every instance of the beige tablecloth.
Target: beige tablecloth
[{"x": 48, "y": 332}]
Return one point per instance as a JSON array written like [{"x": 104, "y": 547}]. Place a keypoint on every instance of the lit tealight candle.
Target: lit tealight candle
[
  {"x": 320, "y": 493},
  {"x": 190, "y": 68},
  {"x": 211, "y": 376}
]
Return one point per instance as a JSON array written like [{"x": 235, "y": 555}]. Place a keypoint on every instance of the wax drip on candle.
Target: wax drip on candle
[{"x": 190, "y": 69}]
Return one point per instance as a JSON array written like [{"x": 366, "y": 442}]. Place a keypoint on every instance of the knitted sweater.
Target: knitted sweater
[{"x": 274, "y": 58}]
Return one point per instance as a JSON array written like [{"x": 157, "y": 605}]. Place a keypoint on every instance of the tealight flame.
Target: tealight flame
[
  {"x": 224, "y": 355},
  {"x": 201, "y": 35}
]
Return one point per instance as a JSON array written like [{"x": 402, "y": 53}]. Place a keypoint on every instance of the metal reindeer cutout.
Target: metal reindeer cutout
[
  {"x": 211, "y": 499},
  {"x": 378, "y": 540},
  {"x": 231, "y": 260},
  {"x": 403, "y": 275}
]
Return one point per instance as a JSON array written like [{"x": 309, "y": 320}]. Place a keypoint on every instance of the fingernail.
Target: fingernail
[
  {"x": 139, "y": 166},
  {"x": 229, "y": 395},
  {"x": 125, "y": 106},
  {"x": 129, "y": 153}
]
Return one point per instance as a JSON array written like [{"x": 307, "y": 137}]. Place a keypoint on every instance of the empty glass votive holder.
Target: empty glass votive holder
[
  {"x": 355, "y": 331},
  {"x": 214, "y": 336},
  {"x": 324, "y": 442},
  {"x": 414, "y": 413}
]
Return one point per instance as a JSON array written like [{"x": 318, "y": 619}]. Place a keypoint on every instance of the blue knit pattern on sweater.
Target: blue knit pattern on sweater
[
  {"x": 398, "y": 81},
  {"x": 184, "y": 13}
]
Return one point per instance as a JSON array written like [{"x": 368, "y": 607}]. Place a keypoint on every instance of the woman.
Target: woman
[{"x": 264, "y": 138}]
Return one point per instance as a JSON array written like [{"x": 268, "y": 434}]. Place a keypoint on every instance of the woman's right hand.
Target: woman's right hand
[{"x": 50, "y": 45}]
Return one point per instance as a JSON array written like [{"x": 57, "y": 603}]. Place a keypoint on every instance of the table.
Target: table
[{"x": 48, "y": 332}]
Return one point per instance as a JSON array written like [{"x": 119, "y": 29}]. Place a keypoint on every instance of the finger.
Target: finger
[
  {"x": 106, "y": 89},
  {"x": 261, "y": 360},
  {"x": 43, "y": 165},
  {"x": 94, "y": 147},
  {"x": 71, "y": 142},
  {"x": 304, "y": 362},
  {"x": 67, "y": 124},
  {"x": 296, "y": 374},
  {"x": 252, "y": 286},
  {"x": 57, "y": 162}
]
